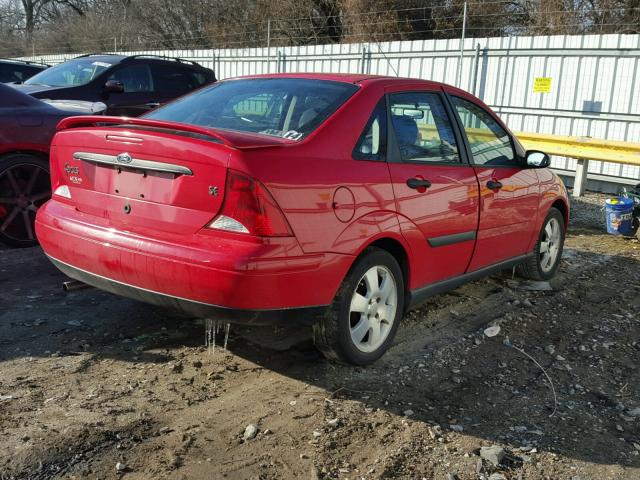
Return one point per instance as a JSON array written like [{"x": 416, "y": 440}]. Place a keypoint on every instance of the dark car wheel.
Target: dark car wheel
[
  {"x": 362, "y": 321},
  {"x": 24, "y": 187},
  {"x": 544, "y": 262}
]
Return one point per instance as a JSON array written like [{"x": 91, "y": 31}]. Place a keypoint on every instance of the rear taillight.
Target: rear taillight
[
  {"x": 62, "y": 191},
  {"x": 249, "y": 208}
]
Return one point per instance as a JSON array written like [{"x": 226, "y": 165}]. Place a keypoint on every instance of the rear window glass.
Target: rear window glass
[{"x": 282, "y": 107}]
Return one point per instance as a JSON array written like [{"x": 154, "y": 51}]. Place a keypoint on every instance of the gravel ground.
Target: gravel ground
[{"x": 96, "y": 386}]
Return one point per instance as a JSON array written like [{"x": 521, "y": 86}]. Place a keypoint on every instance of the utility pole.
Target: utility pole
[
  {"x": 464, "y": 30},
  {"x": 269, "y": 46}
]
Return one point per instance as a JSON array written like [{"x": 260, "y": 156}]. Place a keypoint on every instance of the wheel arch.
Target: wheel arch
[
  {"x": 36, "y": 153},
  {"x": 398, "y": 251},
  {"x": 560, "y": 204},
  {"x": 397, "y": 248}
]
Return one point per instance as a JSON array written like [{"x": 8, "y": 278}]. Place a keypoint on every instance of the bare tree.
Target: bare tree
[
  {"x": 32, "y": 10},
  {"x": 178, "y": 23},
  {"x": 92, "y": 25}
]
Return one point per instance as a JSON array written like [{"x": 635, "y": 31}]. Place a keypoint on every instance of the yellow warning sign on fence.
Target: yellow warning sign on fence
[{"x": 542, "y": 85}]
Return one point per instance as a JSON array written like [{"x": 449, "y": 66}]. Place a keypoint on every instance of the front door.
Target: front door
[
  {"x": 508, "y": 190},
  {"x": 436, "y": 190},
  {"x": 138, "y": 95}
]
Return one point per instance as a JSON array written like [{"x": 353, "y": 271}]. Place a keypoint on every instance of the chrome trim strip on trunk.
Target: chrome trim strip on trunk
[{"x": 134, "y": 163}]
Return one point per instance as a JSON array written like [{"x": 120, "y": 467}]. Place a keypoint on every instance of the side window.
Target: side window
[
  {"x": 423, "y": 129},
  {"x": 174, "y": 79},
  {"x": 372, "y": 144},
  {"x": 10, "y": 74},
  {"x": 200, "y": 78},
  {"x": 135, "y": 78},
  {"x": 490, "y": 143}
]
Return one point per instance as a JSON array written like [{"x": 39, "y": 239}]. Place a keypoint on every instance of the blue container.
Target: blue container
[{"x": 619, "y": 216}]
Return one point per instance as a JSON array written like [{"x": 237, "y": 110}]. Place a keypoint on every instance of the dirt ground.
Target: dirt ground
[{"x": 96, "y": 386}]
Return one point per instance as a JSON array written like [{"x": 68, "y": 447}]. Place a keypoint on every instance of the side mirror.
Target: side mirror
[
  {"x": 536, "y": 159},
  {"x": 113, "y": 86}
]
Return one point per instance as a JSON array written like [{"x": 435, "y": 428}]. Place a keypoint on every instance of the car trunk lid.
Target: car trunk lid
[{"x": 147, "y": 175}]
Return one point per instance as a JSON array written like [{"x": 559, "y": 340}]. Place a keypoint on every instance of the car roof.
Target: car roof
[
  {"x": 356, "y": 78},
  {"x": 116, "y": 58}
]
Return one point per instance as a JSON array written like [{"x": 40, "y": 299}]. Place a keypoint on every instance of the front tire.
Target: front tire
[
  {"x": 544, "y": 261},
  {"x": 24, "y": 187},
  {"x": 361, "y": 324}
]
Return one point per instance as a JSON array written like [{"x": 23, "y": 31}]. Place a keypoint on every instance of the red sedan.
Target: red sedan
[{"x": 338, "y": 200}]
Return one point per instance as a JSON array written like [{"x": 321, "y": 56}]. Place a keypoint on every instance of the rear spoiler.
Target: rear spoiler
[
  {"x": 100, "y": 120},
  {"x": 236, "y": 140}
]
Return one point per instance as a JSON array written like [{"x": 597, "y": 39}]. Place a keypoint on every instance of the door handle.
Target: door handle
[
  {"x": 494, "y": 185},
  {"x": 417, "y": 183},
  {"x": 153, "y": 104}
]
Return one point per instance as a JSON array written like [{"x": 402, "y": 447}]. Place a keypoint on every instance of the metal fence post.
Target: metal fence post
[
  {"x": 282, "y": 62},
  {"x": 363, "y": 59},
  {"x": 476, "y": 64},
  {"x": 580, "y": 182}
]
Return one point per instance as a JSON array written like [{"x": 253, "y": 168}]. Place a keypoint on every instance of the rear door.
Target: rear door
[
  {"x": 172, "y": 81},
  {"x": 509, "y": 191},
  {"x": 435, "y": 188}
]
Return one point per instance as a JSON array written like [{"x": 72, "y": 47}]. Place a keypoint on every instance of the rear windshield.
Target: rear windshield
[{"x": 282, "y": 107}]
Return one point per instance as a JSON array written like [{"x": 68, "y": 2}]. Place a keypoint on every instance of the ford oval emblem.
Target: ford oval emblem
[{"x": 124, "y": 158}]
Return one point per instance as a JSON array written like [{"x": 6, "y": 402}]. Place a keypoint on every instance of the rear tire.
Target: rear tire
[
  {"x": 544, "y": 261},
  {"x": 361, "y": 324},
  {"x": 24, "y": 186}
]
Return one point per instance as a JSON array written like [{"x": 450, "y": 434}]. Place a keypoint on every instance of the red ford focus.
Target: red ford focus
[{"x": 341, "y": 201}]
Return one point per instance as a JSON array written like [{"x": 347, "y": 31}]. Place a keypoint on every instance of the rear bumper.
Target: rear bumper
[
  {"x": 228, "y": 277},
  {"x": 306, "y": 315}
]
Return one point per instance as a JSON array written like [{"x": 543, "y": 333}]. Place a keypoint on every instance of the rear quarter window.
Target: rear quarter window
[{"x": 176, "y": 80}]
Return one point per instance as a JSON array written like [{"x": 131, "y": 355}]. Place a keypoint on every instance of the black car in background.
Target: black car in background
[
  {"x": 128, "y": 85},
  {"x": 17, "y": 71}
]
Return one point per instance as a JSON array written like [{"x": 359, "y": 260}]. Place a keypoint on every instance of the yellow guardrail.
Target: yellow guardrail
[{"x": 582, "y": 148}]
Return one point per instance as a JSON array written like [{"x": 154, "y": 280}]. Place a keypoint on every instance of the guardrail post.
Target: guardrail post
[{"x": 580, "y": 181}]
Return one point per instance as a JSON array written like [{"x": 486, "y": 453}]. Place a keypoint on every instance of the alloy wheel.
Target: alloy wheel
[
  {"x": 550, "y": 245},
  {"x": 24, "y": 188},
  {"x": 373, "y": 309}
]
